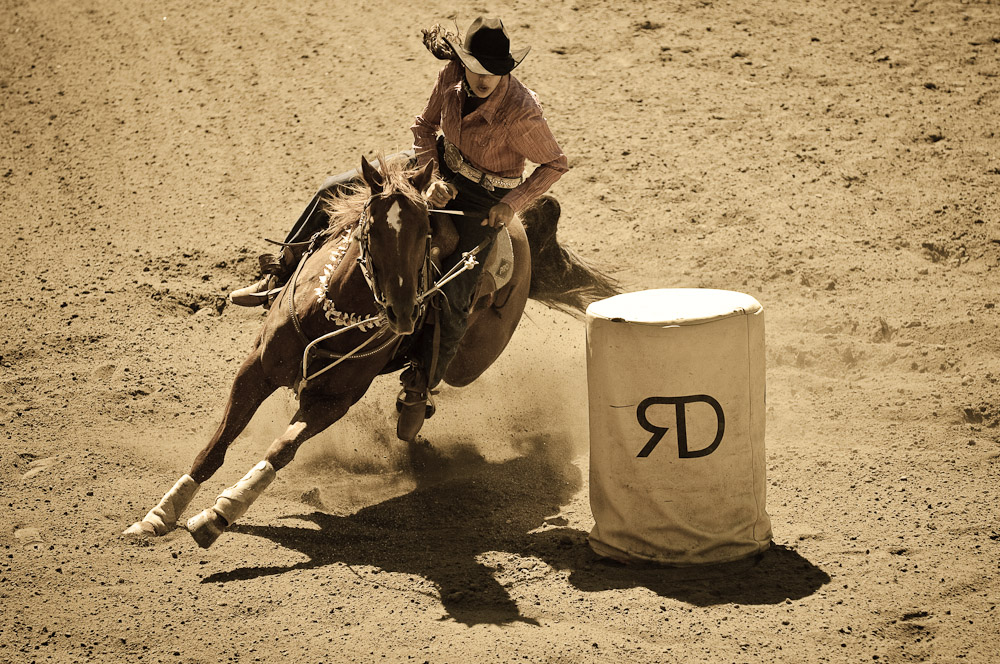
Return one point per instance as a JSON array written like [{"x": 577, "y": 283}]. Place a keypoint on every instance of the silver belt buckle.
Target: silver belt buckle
[
  {"x": 456, "y": 162},
  {"x": 452, "y": 157}
]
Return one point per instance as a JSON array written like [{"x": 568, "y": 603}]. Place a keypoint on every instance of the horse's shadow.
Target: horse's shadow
[{"x": 464, "y": 506}]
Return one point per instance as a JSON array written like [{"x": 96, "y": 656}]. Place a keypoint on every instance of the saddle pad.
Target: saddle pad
[{"x": 500, "y": 261}]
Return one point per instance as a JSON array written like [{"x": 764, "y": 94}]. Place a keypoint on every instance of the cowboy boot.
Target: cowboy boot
[
  {"x": 255, "y": 294},
  {"x": 276, "y": 270},
  {"x": 413, "y": 403}
]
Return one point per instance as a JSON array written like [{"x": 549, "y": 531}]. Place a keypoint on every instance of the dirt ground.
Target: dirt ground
[{"x": 837, "y": 160}]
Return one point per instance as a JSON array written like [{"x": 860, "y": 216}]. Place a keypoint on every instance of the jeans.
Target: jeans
[{"x": 458, "y": 293}]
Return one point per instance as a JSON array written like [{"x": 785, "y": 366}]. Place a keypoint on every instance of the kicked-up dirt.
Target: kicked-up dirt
[{"x": 837, "y": 160}]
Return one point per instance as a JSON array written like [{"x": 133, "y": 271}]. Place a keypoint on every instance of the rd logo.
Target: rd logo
[{"x": 680, "y": 405}]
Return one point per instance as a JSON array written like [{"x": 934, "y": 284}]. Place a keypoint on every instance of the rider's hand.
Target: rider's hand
[
  {"x": 500, "y": 215},
  {"x": 439, "y": 193}
]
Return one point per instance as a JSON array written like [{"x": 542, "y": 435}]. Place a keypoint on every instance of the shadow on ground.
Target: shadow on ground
[
  {"x": 464, "y": 506},
  {"x": 772, "y": 577}
]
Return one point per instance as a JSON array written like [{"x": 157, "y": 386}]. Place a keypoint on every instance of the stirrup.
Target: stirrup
[
  {"x": 412, "y": 413},
  {"x": 402, "y": 402},
  {"x": 263, "y": 299},
  {"x": 258, "y": 294}
]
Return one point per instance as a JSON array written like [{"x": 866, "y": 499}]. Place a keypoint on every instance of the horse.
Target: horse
[{"x": 355, "y": 301}]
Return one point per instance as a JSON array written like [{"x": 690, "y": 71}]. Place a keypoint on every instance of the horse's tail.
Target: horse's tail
[{"x": 559, "y": 277}]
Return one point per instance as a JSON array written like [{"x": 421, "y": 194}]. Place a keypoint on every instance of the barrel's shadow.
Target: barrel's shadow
[
  {"x": 464, "y": 506},
  {"x": 771, "y": 577}
]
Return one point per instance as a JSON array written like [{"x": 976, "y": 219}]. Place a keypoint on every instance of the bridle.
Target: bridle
[
  {"x": 379, "y": 322},
  {"x": 362, "y": 234}
]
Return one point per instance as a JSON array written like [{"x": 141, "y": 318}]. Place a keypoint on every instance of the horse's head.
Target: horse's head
[{"x": 395, "y": 240}]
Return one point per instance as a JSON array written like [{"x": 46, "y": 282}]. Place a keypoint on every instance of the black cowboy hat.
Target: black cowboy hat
[{"x": 487, "y": 48}]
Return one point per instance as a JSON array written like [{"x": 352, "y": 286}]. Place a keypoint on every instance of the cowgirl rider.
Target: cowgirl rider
[{"x": 491, "y": 123}]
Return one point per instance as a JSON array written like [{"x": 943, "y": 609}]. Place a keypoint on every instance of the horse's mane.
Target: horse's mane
[{"x": 345, "y": 207}]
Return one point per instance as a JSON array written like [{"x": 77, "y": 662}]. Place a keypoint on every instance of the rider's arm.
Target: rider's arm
[
  {"x": 426, "y": 126},
  {"x": 535, "y": 142}
]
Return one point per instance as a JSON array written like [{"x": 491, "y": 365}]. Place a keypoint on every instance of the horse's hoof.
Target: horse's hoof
[
  {"x": 205, "y": 527},
  {"x": 140, "y": 529}
]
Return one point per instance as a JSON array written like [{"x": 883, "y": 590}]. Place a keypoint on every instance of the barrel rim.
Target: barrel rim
[{"x": 748, "y": 305}]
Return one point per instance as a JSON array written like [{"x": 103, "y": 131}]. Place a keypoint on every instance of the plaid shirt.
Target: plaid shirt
[{"x": 507, "y": 128}]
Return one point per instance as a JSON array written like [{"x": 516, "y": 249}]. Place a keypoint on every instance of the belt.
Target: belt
[{"x": 456, "y": 162}]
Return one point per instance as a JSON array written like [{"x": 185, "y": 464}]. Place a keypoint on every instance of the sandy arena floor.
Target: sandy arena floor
[{"x": 837, "y": 160}]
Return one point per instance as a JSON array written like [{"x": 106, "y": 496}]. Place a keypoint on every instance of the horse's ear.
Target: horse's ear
[
  {"x": 423, "y": 178},
  {"x": 372, "y": 177}
]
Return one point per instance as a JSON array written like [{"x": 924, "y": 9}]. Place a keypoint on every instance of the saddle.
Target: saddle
[{"x": 498, "y": 266}]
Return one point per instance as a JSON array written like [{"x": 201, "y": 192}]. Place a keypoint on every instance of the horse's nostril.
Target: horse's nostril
[{"x": 390, "y": 314}]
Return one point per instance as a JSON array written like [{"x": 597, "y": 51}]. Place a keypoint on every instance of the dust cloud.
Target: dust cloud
[{"x": 534, "y": 395}]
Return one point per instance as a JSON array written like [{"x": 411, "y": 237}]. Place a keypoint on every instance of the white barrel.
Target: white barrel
[{"x": 676, "y": 387}]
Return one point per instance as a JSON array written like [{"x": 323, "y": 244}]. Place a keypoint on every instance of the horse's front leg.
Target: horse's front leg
[
  {"x": 315, "y": 414},
  {"x": 250, "y": 388}
]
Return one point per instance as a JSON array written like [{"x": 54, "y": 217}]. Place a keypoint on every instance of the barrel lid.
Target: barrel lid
[{"x": 674, "y": 306}]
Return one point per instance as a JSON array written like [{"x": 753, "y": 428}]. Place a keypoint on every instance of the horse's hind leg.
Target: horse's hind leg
[
  {"x": 315, "y": 414},
  {"x": 250, "y": 389}
]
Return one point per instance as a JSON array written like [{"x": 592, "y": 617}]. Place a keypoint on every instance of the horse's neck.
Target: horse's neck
[{"x": 340, "y": 269}]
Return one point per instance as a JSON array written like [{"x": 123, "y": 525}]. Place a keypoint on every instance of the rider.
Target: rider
[{"x": 491, "y": 123}]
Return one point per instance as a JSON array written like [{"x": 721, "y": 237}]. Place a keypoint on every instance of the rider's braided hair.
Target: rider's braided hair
[{"x": 435, "y": 43}]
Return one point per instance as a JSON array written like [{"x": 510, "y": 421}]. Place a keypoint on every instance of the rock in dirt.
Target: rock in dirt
[
  {"x": 11, "y": 465},
  {"x": 28, "y": 536},
  {"x": 39, "y": 466}
]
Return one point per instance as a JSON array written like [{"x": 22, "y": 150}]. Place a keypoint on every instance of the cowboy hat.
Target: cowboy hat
[{"x": 487, "y": 48}]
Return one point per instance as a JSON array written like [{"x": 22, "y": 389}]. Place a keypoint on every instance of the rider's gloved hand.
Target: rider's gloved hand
[
  {"x": 439, "y": 193},
  {"x": 500, "y": 215}
]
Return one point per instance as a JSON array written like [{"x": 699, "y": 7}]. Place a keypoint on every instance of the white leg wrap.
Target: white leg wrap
[
  {"x": 161, "y": 519},
  {"x": 234, "y": 501}
]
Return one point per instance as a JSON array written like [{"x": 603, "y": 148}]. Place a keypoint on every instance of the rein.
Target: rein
[{"x": 380, "y": 321}]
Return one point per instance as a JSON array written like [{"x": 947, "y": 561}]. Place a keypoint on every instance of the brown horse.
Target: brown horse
[{"x": 347, "y": 312}]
